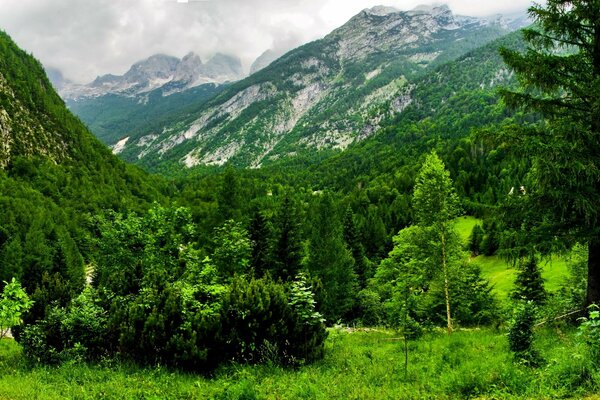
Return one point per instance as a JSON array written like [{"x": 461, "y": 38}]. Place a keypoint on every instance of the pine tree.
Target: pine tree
[
  {"x": 358, "y": 253},
  {"x": 436, "y": 204},
  {"x": 261, "y": 237},
  {"x": 229, "y": 196},
  {"x": 529, "y": 282},
  {"x": 475, "y": 240},
  {"x": 331, "y": 262},
  {"x": 288, "y": 247},
  {"x": 560, "y": 78}
]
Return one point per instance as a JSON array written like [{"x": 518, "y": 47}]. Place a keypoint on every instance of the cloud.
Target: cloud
[{"x": 88, "y": 38}]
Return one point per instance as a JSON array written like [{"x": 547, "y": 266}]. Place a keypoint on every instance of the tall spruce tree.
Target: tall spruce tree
[
  {"x": 529, "y": 282},
  {"x": 352, "y": 240},
  {"x": 287, "y": 253},
  {"x": 261, "y": 239},
  {"x": 435, "y": 205},
  {"x": 331, "y": 261},
  {"x": 559, "y": 75}
]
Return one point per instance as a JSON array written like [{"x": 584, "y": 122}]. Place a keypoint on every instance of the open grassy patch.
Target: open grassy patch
[{"x": 359, "y": 364}]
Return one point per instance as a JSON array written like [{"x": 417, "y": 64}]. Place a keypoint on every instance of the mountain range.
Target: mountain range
[{"x": 320, "y": 97}]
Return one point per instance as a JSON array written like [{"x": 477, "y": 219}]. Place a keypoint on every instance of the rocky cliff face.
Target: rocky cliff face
[
  {"x": 170, "y": 74},
  {"x": 323, "y": 95}
]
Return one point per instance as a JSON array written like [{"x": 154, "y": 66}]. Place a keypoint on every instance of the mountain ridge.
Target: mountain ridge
[{"x": 323, "y": 95}]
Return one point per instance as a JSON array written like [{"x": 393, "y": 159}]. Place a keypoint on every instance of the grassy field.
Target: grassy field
[
  {"x": 363, "y": 364},
  {"x": 502, "y": 274}
]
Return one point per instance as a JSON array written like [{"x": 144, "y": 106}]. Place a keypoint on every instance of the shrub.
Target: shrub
[
  {"x": 589, "y": 331},
  {"x": 260, "y": 319},
  {"x": 520, "y": 335}
]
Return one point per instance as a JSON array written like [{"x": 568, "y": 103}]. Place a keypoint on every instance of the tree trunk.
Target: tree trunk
[
  {"x": 446, "y": 291},
  {"x": 593, "y": 284}
]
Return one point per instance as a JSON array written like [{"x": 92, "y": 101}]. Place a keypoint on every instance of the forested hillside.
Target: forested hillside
[
  {"x": 319, "y": 97},
  {"x": 410, "y": 264}
]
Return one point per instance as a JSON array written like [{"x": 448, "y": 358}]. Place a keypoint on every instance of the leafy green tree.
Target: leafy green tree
[
  {"x": 560, "y": 78},
  {"x": 233, "y": 249},
  {"x": 436, "y": 204},
  {"x": 14, "y": 302}
]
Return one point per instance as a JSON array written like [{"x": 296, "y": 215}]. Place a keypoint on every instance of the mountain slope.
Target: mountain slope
[
  {"x": 323, "y": 95},
  {"x": 55, "y": 176}
]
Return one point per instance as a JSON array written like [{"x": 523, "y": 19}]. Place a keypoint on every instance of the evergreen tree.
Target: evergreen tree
[
  {"x": 331, "y": 262},
  {"x": 261, "y": 238},
  {"x": 475, "y": 240},
  {"x": 436, "y": 204},
  {"x": 560, "y": 78},
  {"x": 362, "y": 268},
  {"x": 288, "y": 247},
  {"x": 529, "y": 282},
  {"x": 229, "y": 196}
]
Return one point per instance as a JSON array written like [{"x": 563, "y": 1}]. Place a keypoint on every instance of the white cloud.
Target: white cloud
[{"x": 94, "y": 37}]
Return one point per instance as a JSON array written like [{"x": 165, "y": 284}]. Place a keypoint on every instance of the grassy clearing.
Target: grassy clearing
[
  {"x": 502, "y": 274},
  {"x": 365, "y": 364}
]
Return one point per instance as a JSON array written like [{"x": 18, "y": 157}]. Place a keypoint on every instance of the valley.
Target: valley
[{"x": 405, "y": 207}]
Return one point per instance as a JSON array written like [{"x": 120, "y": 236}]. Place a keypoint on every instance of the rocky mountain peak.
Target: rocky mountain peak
[
  {"x": 158, "y": 66},
  {"x": 380, "y": 11},
  {"x": 159, "y": 71},
  {"x": 223, "y": 67}
]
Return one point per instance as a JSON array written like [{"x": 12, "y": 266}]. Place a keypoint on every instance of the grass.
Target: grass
[
  {"x": 363, "y": 364},
  {"x": 502, "y": 274}
]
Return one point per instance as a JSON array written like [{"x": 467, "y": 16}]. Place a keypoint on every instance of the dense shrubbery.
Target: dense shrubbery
[{"x": 157, "y": 301}]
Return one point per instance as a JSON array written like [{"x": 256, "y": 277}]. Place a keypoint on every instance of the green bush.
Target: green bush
[
  {"x": 589, "y": 331},
  {"x": 520, "y": 335},
  {"x": 261, "y": 321},
  {"x": 76, "y": 332}
]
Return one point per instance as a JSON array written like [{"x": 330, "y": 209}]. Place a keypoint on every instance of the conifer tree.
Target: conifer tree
[
  {"x": 288, "y": 247},
  {"x": 331, "y": 262},
  {"x": 229, "y": 196},
  {"x": 261, "y": 237},
  {"x": 529, "y": 282},
  {"x": 358, "y": 253},
  {"x": 559, "y": 75}
]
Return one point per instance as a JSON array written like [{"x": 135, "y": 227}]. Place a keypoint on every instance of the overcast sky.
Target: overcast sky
[{"x": 86, "y": 38}]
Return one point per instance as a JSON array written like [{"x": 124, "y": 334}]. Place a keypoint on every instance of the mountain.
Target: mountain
[
  {"x": 159, "y": 87},
  {"x": 264, "y": 60},
  {"x": 322, "y": 96},
  {"x": 167, "y": 73},
  {"x": 54, "y": 175}
]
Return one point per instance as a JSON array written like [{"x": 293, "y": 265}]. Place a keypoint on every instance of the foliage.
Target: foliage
[
  {"x": 589, "y": 331},
  {"x": 261, "y": 322},
  {"x": 77, "y": 332},
  {"x": 14, "y": 302},
  {"x": 529, "y": 282},
  {"x": 521, "y": 336},
  {"x": 359, "y": 363},
  {"x": 331, "y": 262},
  {"x": 436, "y": 204},
  {"x": 559, "y": 76},
  {"x": 233, "y": 249},
  {"x": 475, "y": 239}
]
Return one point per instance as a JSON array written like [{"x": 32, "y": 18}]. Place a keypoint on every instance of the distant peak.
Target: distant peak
[
  {"x": 433, "y": 9},
  {"x": 381, "y": 11}
]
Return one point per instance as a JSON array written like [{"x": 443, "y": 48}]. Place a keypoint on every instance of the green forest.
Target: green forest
[{"x": 455, "y": 254}]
